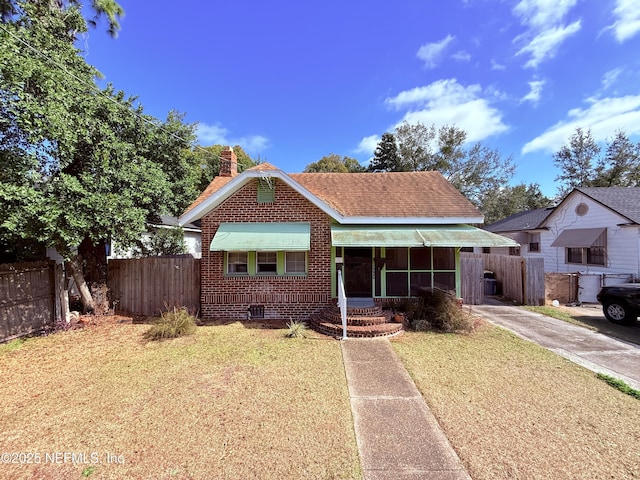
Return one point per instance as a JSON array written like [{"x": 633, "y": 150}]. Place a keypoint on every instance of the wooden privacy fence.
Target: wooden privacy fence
[
  {"x": 518, "y": 278},
  {"x": 148, "y": 286},
  {"x": 31, "y": 297}
]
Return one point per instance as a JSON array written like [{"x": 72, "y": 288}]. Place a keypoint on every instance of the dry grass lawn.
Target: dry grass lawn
[
  {"x": 513, "y": 410},
  {"x": 230, "y": 402}
]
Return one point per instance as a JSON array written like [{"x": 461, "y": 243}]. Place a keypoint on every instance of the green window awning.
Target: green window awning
[
  {"x": 416, "y": 236},
  {"x": 258, "y": 237}
]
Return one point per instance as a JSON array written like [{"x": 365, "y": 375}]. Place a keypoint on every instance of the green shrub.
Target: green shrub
[
  {"x": 438, "y": 310},
  {"x": 297, "y": 329},
  {"x": 172, "y": 324}
]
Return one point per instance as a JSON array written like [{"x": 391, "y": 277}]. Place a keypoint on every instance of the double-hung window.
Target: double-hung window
[
  {"x": 237, "y": 262},
  {"x": 281, "y": 263}
]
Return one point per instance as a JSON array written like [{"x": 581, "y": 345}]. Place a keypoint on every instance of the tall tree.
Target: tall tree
[
  {"x": 415, "y": 146},
  {"x": 576, "y": 160},
  {"x": 335, "y": 163},
  {"x": 620, "y": 165},
  {"x": 78, "y": 165},
  {"x": 385, "y": 157},
  {"x": 474, "y": 170},
  {"x": 109, "y": 9},
  {"x": 503, "y": 202}
]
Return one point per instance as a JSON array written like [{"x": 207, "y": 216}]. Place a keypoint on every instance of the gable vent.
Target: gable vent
[
  {"x": 582, "y": 209},
  {"x": 266, "y": 190}
]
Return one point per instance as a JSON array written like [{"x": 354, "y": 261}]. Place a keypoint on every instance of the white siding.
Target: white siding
[{"x": 622, "y": 241}]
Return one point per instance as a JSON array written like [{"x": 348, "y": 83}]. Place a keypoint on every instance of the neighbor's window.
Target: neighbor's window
[
  {"x": 295, "y": 262},
  {"x": 596, "y": 254},
  {"x": 534, "y": 242},
  {"x": 237, "y": 262},
  {"x": 267, "y": 262},
  {"x": 588, "y": 256}
]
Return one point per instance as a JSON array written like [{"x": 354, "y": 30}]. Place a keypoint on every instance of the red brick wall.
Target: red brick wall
[{"x": 294, "y": 298}]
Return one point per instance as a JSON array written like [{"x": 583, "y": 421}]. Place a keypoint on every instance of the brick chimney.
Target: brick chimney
[{"x": 228, "y": 163}]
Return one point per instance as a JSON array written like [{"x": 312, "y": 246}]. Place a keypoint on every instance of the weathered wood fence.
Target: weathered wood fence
[
  {"x": 148, "y": 286},
  {"x": 31, "y": 298},
  {"x": 518, "y": 278}
]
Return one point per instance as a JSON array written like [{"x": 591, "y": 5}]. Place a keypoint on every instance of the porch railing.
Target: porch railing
[{"x": 342, "y": 305}]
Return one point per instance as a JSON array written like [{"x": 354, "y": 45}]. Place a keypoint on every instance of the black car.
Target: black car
[{"x": 621, "y": 303}]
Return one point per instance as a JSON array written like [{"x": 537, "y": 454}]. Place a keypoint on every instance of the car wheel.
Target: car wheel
[{"x": 617, "y": 312}]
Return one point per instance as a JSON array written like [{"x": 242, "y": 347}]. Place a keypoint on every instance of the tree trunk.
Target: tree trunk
[
  {"x": 94, "y": 261},
  {"x": 74, "y": 267}
]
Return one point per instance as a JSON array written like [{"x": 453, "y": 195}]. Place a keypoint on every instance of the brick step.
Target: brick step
[
  {"x": 333, "y": 316},
  {"x": 356, "y": 331}
]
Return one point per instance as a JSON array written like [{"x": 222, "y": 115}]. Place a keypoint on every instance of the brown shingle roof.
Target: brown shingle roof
[{"x": 390, "y": 194}]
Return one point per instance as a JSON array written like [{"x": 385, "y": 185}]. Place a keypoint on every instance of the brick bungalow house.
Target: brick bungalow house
[{"x": 272, "y": 242}]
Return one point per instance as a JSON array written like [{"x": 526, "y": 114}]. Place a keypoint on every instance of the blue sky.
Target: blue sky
[{"x": 293, "y": 81}]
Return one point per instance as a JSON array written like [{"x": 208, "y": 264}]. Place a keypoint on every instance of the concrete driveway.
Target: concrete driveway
[{"x": 594, "y": 350}]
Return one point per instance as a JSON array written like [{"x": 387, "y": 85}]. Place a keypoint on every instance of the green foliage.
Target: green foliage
[
  {"x": 297, "y": 329},
  {"x": 582, "y": 164},
  {"x": 476, "y": 170},
  {"x": 620, "y": 385},
  {"x": 161, "y": 241},
  {"x": 385, "y": 156},
  {"x": 88, "y": 471},
  {"x": 78, "y": 163},
  {"x": 437, "y": 310},
  {"x": 108, "y": 9},
  {"x": 504, "y": 202},
  {"x": 12, "y": 345},
  {"x": 576, "y": 161},
  {"x": 335, "y": 163},
  {"x": 173, "y": 323},
  {"x": 205, "y": 164}
]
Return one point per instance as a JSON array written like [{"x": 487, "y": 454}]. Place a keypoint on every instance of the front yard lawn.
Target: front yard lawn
[
  {"x": 231, "y": 401},
  {"x": 513, "y": 410}
]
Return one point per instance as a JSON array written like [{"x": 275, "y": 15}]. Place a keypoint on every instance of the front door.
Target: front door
[{"x": 357, "y": 272}]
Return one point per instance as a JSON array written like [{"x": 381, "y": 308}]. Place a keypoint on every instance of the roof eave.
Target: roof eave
[{"x": 409, "y": 220}]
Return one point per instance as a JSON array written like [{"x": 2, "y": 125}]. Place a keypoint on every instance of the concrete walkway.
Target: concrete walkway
[
  {"x": 398, "y": 437},
  {"x": 593, "y": 350}
]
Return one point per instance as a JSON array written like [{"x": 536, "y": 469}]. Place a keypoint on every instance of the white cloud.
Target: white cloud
[
  {"x": 217, "y": 135},
  {"x": 497, "y": 66},
  {"x": 545, "y": 45},
  {"x": 545, "y": 28},
  {"x": 368, "y": 144},
  {"x": 539, "y": 14},
  {"x": 432, "y": 52},
  {"x": 627, "y": 24},
  {"x": 535, "y": 92},
  {"x": 604, "y": 116},
  {"x": 448, "y": 102},
  {"x": 609, "y": 78},
  {"x": 461, "y": 56}
]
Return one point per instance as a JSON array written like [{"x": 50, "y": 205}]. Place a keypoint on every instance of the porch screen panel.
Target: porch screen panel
[
  {"x": 444, "y": 280},
  {"x": 397, "y": 284}
]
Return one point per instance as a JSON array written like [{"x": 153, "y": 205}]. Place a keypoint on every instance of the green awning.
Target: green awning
[
  {"x": 416, "y": 236},
  {"x": 375, "y": 236},
  {"x": 261, "y": 237}
]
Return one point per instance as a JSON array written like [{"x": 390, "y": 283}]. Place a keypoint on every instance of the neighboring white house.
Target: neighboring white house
[
  {"x": 523, "y": 227},
  {"x": 191, "y": 237},
  {"x": 594, "y": 231}
]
